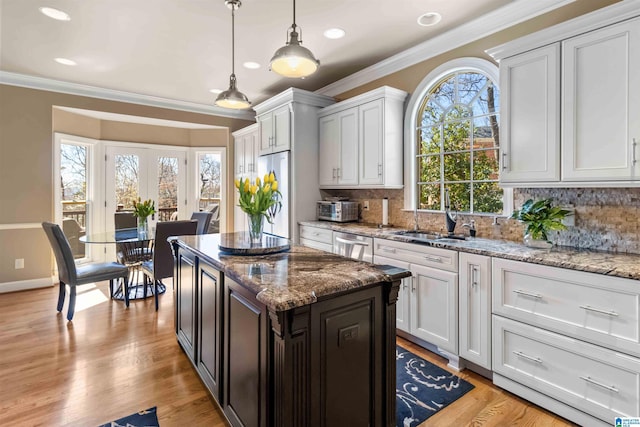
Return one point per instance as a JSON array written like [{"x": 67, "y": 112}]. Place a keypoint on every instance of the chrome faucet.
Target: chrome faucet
[{"x": 450, "y": 219}]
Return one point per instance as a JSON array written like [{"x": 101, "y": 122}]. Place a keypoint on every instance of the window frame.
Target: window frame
[{"x": 414, "y": 105}]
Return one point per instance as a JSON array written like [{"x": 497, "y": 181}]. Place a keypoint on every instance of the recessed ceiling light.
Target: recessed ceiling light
[
  {"x": 55, "y": 14},
  {"x": 334, "y": 33},
  {"x": 429, "y": 19},
  {"x": 215, "y": 91},
  {"x": 65, "y": 61},
  {"x": 251, "y": 65}
]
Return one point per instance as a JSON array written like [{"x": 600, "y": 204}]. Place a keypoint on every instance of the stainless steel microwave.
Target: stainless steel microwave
[{"x": 337, "y": 211}]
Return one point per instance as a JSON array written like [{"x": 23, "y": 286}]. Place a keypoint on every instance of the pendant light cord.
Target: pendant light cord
[{"x": 233, "y": 39}]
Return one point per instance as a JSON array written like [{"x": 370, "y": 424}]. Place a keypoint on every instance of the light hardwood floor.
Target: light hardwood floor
[{"x": 111, "y": 361}]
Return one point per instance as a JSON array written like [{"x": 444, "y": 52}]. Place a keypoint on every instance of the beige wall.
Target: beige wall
[{"x": 26, "y": 161}]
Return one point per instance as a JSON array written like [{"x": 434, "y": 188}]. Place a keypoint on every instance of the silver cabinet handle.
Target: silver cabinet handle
[
  {"x": 599, "y": 384},
  {"x": 413, "y": 283},
  {"x": 379, "y": 169},
  {"x": 599, "y": 310},
  {"x": 527, "y": 294},
  {"x": 504, "y": 161},
  {"x": 338, "y": 172},
  {"x": 433, "y": 258},
  {"x": 474, "y": 275},
  {"x": 315, "y": 233},
  {"x": 334, "y": 173},
  {"x": 390, "y": 250},
  {"x": 404, "y": 284},
  {"x": 526, "y": 356},
  {"x": 351, "y": 242},
  {"x": 633, "y": 150}
]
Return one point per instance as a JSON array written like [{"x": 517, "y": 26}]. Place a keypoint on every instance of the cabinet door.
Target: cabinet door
[
  {"x": 209, "y": 328},
  {"x": 348, "y": 135},
  {"x": 371, "y": 142},
  {"x": 185, "y": 288},
  {"x": 601, "y": 106},
  {"x": 530, "y": 119},
  {"x": 328, "y": 150},
  {"x": 434, "y": 307},
  {"x": 266, "y": 126},
  {"x": 238, "y": 156},
  {"x": 403, "y": 303},
  {"x": 475, "y": 309},
  {"x": 281, "y": 129},
  {"x": 250, "y": 154}
]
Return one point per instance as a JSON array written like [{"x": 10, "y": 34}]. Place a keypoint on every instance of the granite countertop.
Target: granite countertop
[
  {"x": 593, "y": 261},
  {"x": 297, "y": 277}
]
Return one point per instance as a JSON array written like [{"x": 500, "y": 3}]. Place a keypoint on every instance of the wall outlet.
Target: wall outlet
[
  {"x": 365, "y": 205},
  {"x": 19, "y": 263},
  {"x": 569, "y": 220}
]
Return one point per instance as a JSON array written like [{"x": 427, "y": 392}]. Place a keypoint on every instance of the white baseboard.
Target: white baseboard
[{"x": 23, "y": 285}]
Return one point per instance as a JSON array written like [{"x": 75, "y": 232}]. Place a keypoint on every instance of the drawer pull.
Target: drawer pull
[
  {"x": 351, "y": 242},
  {"x": 413, "y": 283},
  {"x": 433, "y": 258},
  {"x": 474, "y": 276},
  {"x": 608, "y": 387},
  {"x": 527, "y": 294},
  {"x": 390, "y": 250},
  {"x": 526, "y": 356},
  {"x": 598, "y": 310}
]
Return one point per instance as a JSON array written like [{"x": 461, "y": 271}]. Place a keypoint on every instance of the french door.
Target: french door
[{"x": 133, "y": 173}]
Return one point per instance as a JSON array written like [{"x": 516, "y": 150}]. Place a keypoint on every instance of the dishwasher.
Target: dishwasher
[{"x": 353, "y": 246}]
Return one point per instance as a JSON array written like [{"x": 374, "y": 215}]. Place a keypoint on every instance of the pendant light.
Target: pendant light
[
  {"x": 232, "y": 97},
  {"x": 293, "y": 59}
]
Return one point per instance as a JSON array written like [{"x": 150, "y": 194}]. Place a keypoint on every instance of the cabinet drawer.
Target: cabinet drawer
[
  {"x": 322, "y": 235},
  {"x": 427, "y": 256},
  {"x": 594, "y": 307},
  {"x": 316, "y": 245},
  {"x": 598, "y": 381}
]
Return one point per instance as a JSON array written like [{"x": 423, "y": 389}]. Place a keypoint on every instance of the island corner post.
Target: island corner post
[{"x": 329, "y": 362}]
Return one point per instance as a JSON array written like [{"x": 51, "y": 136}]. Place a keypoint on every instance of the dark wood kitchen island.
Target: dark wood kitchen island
[{"x": 297, "y": 338}]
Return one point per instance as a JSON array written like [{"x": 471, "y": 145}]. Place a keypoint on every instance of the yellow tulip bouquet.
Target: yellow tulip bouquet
[
  {"x": 144, "y": 209},
  {"x": 260, "y": 197}
]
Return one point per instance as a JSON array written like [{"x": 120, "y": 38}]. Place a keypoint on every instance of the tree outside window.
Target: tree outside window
[{"x": 458, "y": 145}]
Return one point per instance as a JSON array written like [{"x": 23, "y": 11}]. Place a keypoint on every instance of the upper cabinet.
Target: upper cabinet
[
  {"x": 361, "y": 141},
  {"x": 275, "y": 130},
  {"x": 601, "y": 104},
  {"x": 570, "y": 114},
  {"x": 246, "y": 151}
]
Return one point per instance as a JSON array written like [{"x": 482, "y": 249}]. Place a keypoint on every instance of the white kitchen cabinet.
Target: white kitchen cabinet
[
  {"x": 338, "y": 149},
  {"x": 475, "y": 309},
  {"x": 601, "y": 104},
  {"x": 404, "y": 294},
  {"x": 429, "y": 303},
  {"x": 361, "y": 141},
  {"x": 316, "y": 238},
  {"x": 275, "y": 130},
  {"x": 245, "y": 166},
  {"x": 530, "y": 116}
]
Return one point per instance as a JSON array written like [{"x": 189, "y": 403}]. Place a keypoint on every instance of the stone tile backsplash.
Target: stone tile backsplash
[{"x": 605, "y": 218}]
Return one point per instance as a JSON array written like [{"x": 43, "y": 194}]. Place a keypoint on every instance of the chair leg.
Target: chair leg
[
  {"x": 156, "y": 293},
  {"x": 72, "y": 302},
  {"x": 61, "y": 294},
  {"x": 126, "y": 292},
  {"x": 111, "y": 288}
]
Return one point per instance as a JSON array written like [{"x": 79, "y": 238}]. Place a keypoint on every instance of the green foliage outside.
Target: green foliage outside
[{"x": 461, "y": 109}]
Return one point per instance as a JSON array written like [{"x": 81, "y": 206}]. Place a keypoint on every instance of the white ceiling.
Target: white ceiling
[{"x": 180, "y": 49}]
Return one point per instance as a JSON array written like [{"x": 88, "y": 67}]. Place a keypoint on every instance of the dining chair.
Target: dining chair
[
  {"x": 204, "y": 219},
  {"x": 161, "y": 265},
  {"x": 72, "y": 275},
  {"x": 350, "y": 248},
  {"x": 124, "y": 220}
]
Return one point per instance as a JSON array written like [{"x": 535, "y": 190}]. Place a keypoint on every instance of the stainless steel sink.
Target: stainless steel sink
[{"x": 429, "y": 236}]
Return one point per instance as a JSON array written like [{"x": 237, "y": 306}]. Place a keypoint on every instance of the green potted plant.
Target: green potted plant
[{"x": 540, "y": 217}]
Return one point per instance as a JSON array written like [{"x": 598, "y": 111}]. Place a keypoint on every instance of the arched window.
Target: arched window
[{"x": 454, "y": 139}]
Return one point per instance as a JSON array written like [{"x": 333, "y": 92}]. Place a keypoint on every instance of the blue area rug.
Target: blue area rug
[
  {"x": 422, "y": 388},
  {"x": 146, "y": 418}
]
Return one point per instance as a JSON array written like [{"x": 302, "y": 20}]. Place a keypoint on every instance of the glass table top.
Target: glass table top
[{"x": 122, "y": 235}]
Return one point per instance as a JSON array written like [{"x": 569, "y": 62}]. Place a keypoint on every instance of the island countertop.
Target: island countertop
[{"x": 290, "y": 279}]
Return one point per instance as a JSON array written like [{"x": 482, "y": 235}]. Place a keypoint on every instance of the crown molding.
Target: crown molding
[
  {"x": 617, "y": 12},
  {"x": 41, "y": 83},
  {"x": 294, "y": 95},
  {"x": 507, "y": 16}
]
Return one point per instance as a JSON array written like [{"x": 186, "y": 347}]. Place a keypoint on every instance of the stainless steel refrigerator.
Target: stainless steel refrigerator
[{"x": 278, "y": 163}]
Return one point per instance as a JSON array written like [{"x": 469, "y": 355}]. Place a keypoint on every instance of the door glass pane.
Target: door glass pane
[
  {"x": 167, "y": 187},
  {"x": 127, "y": 180},
  {"x": 210, "y": 183},
  {"x": 73, "y": 184}
]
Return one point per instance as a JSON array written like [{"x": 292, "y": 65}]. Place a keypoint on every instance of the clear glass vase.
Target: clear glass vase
[
  {"x": 536, "y": 243},
  {"x": 256, "y": 224},
  {"x": 143, "y": 228}
]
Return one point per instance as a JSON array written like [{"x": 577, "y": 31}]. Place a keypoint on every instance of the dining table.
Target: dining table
[{"x": 132, "y": 249}]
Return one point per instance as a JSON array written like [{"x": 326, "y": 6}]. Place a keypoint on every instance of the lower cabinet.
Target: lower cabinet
[
  {"x": 185, "y": 303},
  {"x": 316, "y": 237},
  {"x": 475, "y": 309},
  {"x": 209, "y": 327}
]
